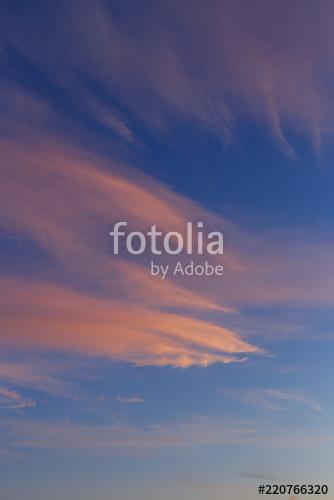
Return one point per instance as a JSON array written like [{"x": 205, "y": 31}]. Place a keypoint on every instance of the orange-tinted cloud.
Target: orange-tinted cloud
[
  {"x": 67, "y": 201},
  {"x": 45, "y": 316}
]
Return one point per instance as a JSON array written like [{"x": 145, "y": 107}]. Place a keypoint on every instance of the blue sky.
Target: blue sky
[{"x": 115, "y": 384}]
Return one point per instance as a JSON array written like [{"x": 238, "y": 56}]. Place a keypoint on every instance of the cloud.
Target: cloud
[
  {"x": 66, "y": 202},
  {"x": 58, "y": 378},
  {"x": 275, "y": 399},
  {"x": 12, "y": 400},
  {"x": 104, "y": 113},
  {"x": 77, "y": 232},
  {"x": 212, "y": 68},
  {"x": 27, "y": 374},
  {"x": 133, "y": 400},
  {"x": 200, "y": 431},
  {"x": 114, "y": 121},
  {"x": 52, "y": 317},
  {"x": 103, "y": 438},
  {"x": 117, "y": 124},
  {"x": 88, "y": 301},
  {"x": 91, "y": 302}
]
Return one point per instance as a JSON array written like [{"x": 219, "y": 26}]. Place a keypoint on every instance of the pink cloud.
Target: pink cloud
[
  {"x": 52, "y": 317},
  {"x": 67, "y": 200}
]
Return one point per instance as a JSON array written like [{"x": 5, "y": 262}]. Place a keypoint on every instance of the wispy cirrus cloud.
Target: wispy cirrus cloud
[
  {"x": 110, "y": 118},
  {"x": 67, "y": 201},
  {"x": 12, "y": 400},
  {"x": 274, "y": 399},
  {"x": 132, "y": 400},
  {"x": 30, "y": 371},
  {"x": 129, "y": 316},
  {"x": 52, "y": 317},
  {"x": 211, "y": 68},
  {"x": 203, "y": 431}
]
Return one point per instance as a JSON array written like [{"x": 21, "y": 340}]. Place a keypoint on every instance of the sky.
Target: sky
[{"x": 116, "y": 384}]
